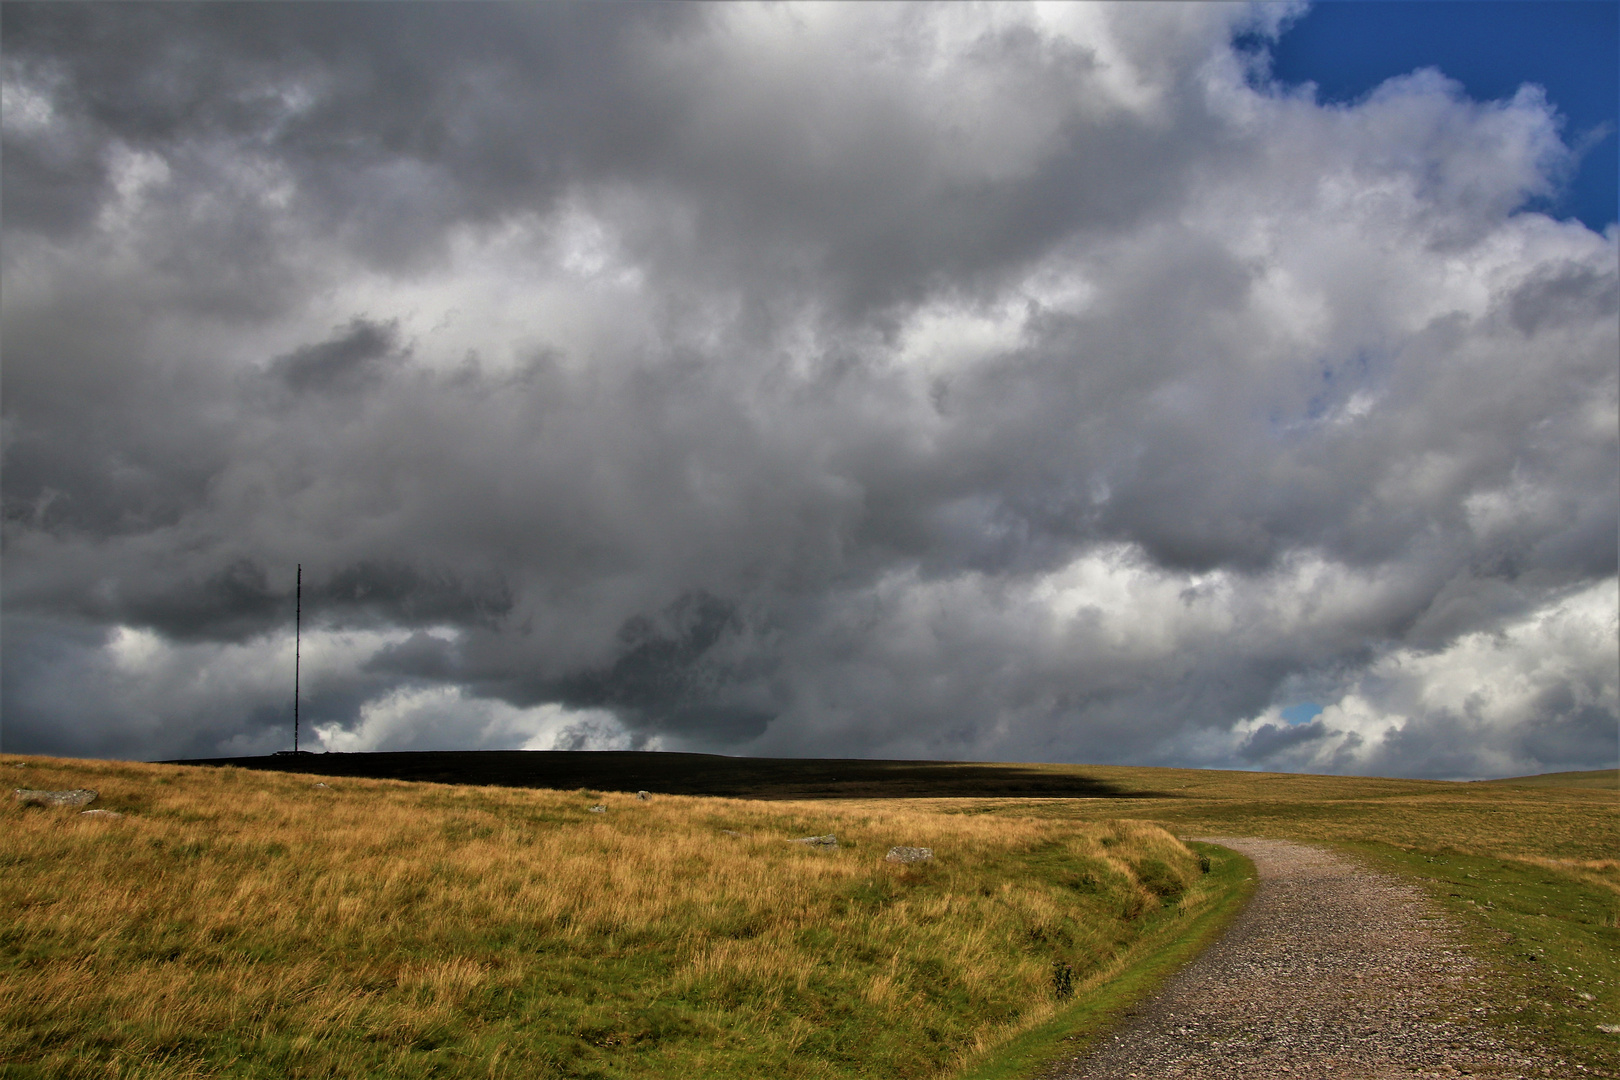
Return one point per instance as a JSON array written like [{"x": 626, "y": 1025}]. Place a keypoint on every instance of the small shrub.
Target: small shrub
[{"x": 1062, "y": 980}]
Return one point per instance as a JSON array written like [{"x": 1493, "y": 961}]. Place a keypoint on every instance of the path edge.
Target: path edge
[{"x": 1143, "y": 969}]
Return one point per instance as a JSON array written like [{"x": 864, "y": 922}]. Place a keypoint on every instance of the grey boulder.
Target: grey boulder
[
  {"x": 909, "y": 854},
  {"x": 76, "y": 797}
]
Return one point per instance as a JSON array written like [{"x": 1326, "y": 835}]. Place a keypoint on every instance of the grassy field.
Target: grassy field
[
  {"x": 247, "y": 923},
  {"x": 238, "y": 923},
  {"x": 1529, "y": 867}
]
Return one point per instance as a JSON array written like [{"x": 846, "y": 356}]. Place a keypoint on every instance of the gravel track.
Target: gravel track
[{"x": 1332, "y": 971}]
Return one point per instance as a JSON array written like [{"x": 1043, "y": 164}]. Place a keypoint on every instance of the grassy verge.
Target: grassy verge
[
  {"x": 1177, "y": 936},
  {"x": 252, "y": 924},
  {"x": 1549, "y": 934},
  {"x": 1526, "y": 867}
]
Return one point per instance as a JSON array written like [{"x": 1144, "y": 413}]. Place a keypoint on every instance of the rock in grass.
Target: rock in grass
[
  {"x": 76, "y": 797},
  {"x": 643, "y": 795},
  {"x": 828, "y": 841},
  {"x": 909, "y": 854},
  {"x": 106, "y": 814},
  {"x": 598, "y": 809}
]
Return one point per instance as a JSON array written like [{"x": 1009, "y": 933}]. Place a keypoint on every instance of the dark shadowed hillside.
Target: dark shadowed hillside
[{"x": 707, "y": 774}]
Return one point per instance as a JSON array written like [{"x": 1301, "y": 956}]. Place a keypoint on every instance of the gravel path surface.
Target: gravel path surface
[{"x": 1333, "y": 970}]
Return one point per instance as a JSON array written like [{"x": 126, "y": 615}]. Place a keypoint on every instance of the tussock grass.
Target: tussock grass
[
  {"x": 239, "y": 923},
  {"x": 1101, "y": 1005}
]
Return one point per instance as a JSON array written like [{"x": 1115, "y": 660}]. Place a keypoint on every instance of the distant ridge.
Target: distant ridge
[
  {"x": 705, "y": 774},
  {"x": 1590, "y": 778}
]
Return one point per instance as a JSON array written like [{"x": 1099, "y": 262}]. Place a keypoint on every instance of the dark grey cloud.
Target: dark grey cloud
[
  {"x": 1269, "y": 740},
  {"x": 346, "y": 361},
  {"x": 437, "y": 111},
  {"x": 954, "y": 382}
]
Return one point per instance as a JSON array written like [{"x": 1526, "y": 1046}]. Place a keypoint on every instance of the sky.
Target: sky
[
  {"x": 1567, "y": 47},
  {"x": 1205, "y": 385}
]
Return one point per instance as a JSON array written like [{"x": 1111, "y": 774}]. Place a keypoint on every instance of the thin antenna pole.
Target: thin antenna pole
[{"x": 298, "y": 632}]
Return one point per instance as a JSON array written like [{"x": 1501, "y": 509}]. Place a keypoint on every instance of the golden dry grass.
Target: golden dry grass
[
  {"x": 249, "y": 923},
  {"x": 1569, "y": 817}
]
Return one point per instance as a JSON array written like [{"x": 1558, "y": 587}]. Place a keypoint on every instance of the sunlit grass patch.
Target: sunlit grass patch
[{"x": 253, "y": 924}]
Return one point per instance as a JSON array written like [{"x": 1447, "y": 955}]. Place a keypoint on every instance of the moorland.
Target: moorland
[{"x": 294, "y": 916}]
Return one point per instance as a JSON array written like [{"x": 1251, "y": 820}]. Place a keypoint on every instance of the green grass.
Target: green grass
[
  {"x": 248, "y": 924},
  {"x": 1176, "y": 939},
  {"x": 1550, "y": 937}
]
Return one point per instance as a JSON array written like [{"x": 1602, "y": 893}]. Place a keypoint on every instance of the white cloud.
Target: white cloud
[
  {"x": 1013, "y": 381},
  {"x": 1527, "y": 696},
  {"x": 442, "y": 717}
]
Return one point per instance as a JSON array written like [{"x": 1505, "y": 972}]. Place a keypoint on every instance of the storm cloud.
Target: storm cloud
[{"x": 1015, "y": 383}]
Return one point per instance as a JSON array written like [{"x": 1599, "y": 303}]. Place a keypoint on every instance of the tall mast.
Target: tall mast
[{"x": 298, "y": 630}]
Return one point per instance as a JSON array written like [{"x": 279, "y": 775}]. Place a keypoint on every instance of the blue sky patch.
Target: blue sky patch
[
  {"x": 1570, "y": 48},
  {"x": 1302, "y": 714}
]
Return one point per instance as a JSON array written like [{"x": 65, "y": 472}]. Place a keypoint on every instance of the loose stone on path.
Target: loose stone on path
[{"x": 1333, "y": 972}]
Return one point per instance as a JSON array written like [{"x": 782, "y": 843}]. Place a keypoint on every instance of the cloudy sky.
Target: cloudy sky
[{"x": 1021, "y": 382}]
